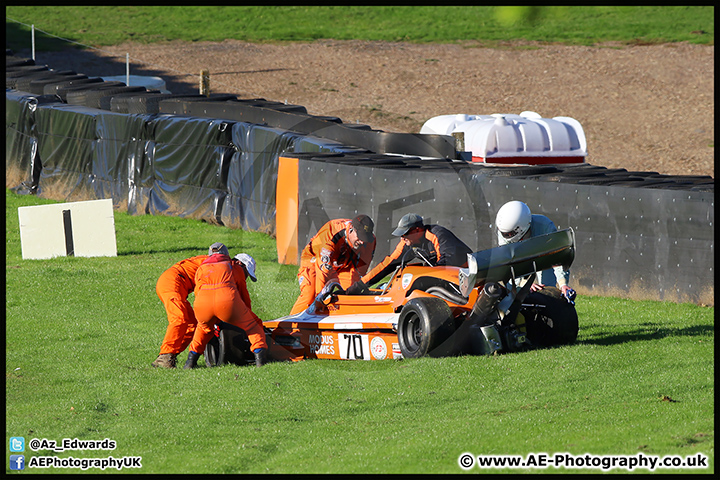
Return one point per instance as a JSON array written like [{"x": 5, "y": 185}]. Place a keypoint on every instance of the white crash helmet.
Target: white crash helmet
[{"x": 512, "y": 222}]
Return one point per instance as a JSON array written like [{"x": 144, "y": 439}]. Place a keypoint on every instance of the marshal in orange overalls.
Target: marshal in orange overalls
[
  {"x": 328, "y": 256},
  {"x": 173, "y": 288},
  {"x": 217, "y": 298}
]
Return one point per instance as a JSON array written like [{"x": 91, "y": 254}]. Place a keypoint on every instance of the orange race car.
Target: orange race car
[{"x": 422, "y": 310}]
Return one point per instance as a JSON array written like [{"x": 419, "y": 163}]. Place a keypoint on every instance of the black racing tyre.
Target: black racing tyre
[
  {"x": 76, "y": 89},
  {"x": 685, "y": 178},
  {"x": 503, "y": 171},
  {"x": 53, "y": 88},
  {"x": 151, "y": 103},
  {"x": 120, "y": 100},
  {"x": 212, "y": 351},
  {"x": 214, "y": 97},
  {"x": 671, "y": 186},
  {"x": 627, "y": 181},
  {"x": 647, "y": 183},
  {"x": 554, "y": 322},
  {"x": 571, "y": 178},
  {"x": 23, "y": 83},
  {"x": 633, "y": 182},
  {"x": 231, "y": 346},
  {"x": 11, "y": 61},
  {"x": 14, "y": 72},
  {"x": 425, "y": 328},
  {"x": 599, "y": 180},
  {"x": 38, "y": 86},
  {"x": 582, "y": 172},
  {"x": 576, "y": 167},
  {"x": 93, "y": 97},
  {"x": 708, "y": 187}
]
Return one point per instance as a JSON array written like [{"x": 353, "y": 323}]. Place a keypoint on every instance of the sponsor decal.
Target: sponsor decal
[
  {"x": 407, "y": 278},
  {"x": 378, "y": 348},
  {"x": 397, "y": 354},
  {"x": 325, "y": 258},
  {"x": 321, "y": 344}
]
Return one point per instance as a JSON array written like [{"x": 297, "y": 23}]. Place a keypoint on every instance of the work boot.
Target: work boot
[
  {"x": 260, "y": 356},
  {"x": 165, "y": 360},
  {"x": 191, "y": 360}
]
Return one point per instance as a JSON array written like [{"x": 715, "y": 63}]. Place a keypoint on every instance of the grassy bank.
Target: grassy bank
[
  {"x": 577, "y": 25},
  {"x": 81, "y": 333}
]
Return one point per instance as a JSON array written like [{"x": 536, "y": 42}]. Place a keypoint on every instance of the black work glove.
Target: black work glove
[{"x": 357, "y": 288}]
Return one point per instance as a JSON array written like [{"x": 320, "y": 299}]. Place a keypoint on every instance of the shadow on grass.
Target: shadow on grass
[
  {"x": 59, "y": 54},
  {"x": 189, "y": 250},
  {"x": 643, "y": 334}
]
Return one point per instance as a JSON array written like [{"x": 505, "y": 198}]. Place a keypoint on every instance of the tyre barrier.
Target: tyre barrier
[
  {"x": 216, "y": 158},
  {"x": 11, "y": 72},
  {"x": 147, "y": 103},
  {"x": 642, "y": 243},
  {"x": 23, "y": 83},
  {"x": 90, "y": 97},
  {"x": 12, "y": 61},
  {"x": 38, "y": 86},
  {"x": 12, "y": 78},
  {"x": 53, "y": 88},
  {"x": 94, "y": 96},
  {"x": 63, "y": 92},
  {"x": 120, "y": 100}
]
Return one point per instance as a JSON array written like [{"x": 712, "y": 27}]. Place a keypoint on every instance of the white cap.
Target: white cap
[{"x": 249, "y": 263}]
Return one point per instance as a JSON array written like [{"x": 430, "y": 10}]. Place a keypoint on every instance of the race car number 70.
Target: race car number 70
[{"x": 354, "y": 346}]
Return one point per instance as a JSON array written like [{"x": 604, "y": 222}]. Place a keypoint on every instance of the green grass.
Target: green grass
[
  {"x": 81, "y": 333},
  {"x": 577, "y": 25}
]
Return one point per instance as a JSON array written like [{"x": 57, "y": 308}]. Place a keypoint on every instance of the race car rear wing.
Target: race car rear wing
[{"x": 515, "y": 260}]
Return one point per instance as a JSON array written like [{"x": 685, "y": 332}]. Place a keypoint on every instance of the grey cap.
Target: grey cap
[
  {"x": 249, "y": 263},
  {"x": 411, "y": 220},
  {"x": 364, "y": 226},
  {"x": 218, "y": 247}
]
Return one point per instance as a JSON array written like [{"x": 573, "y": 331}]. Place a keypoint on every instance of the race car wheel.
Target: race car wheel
[
  {"x": 426, "y": 327},
  {"x": 212, "y": 350},
  {"x": 553, "y": 322},
  {"x": 230, "y": 347}
]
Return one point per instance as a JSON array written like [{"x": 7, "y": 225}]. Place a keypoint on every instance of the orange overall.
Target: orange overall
[
  {"x": 327, "y": 257},
  {"x": 217, "y": 298},
  {"x": 440, "y": 243},
  {"x": 173, "y": 288}
]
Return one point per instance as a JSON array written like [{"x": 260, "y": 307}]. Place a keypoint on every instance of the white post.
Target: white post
[
  {"x": 127, "y": 69},
  {"x": 32, "y": 35}
]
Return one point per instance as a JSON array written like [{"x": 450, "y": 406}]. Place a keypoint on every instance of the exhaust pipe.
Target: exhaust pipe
[
  {"x": 484, "y": 337},
  {"x": 489, "y": 296}
]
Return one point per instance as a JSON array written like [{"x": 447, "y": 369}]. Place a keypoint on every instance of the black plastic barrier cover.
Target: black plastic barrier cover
[
  {"x": 22, "y": 168},
  {"x": 219, "y": 171},
  {"x": 67, "y": 137},
  {"x": 190, "y": 159},
  {"x": 119, "y": 161},
  {"x": 654, "y": 242},
  {"x": 252, "y": 174},
  {"x": 360, "y": 136},
  {"x": 638, "y": 243}
]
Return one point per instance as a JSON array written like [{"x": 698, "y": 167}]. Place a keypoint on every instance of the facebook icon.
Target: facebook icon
[{"x": 17, "y": 462}]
